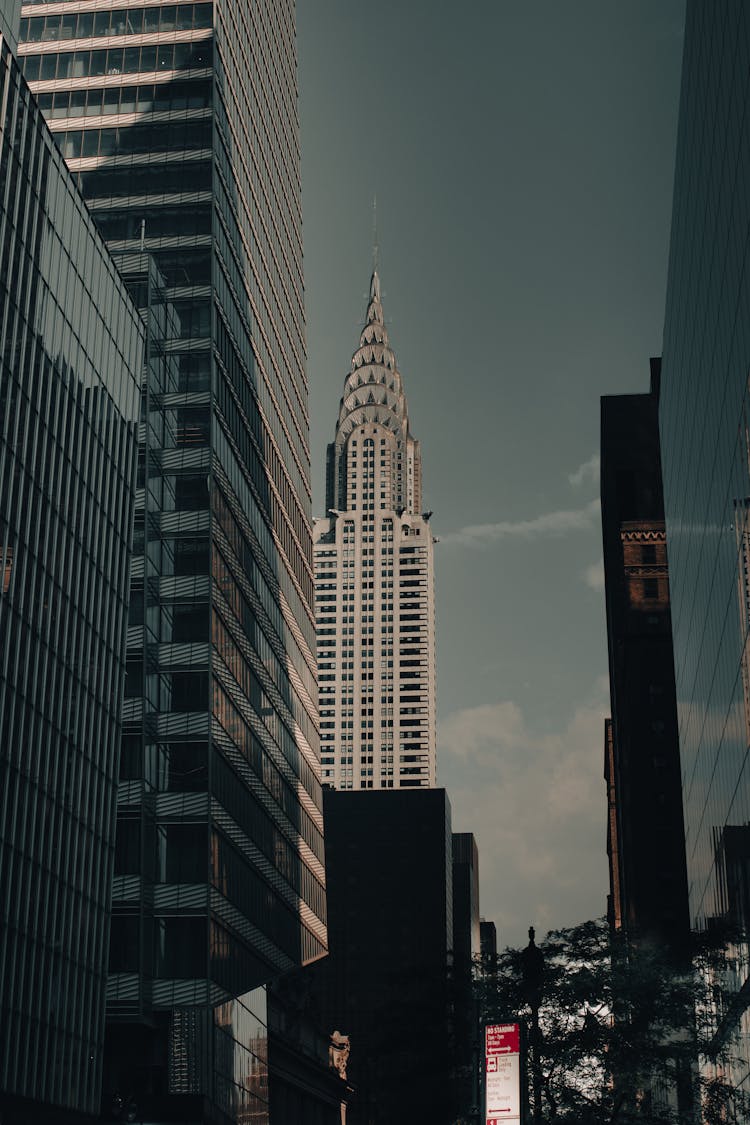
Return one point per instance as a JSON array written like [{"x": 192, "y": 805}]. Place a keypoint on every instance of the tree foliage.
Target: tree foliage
[{"x": 622, "y": 1031}]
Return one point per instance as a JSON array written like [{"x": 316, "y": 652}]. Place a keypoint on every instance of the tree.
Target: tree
[{"x": 623, "y": 1029}]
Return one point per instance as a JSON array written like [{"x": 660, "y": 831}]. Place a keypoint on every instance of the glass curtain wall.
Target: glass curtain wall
[
  {"x": 180, "y": 124},
  {"x": 70, "y": 356},
  {"x": 705, "y": 435}
]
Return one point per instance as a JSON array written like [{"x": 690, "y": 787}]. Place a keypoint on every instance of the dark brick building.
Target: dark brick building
[{"x": 648, "y": 884}]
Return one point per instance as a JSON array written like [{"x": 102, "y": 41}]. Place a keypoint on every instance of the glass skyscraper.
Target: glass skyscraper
[
  {"x": 705, "y": 437},
  {"x": 179, "y": 122},
  {"x": 10, "y": 17},
  {"x": 374, "y": 583},
  {"x": 71, "y": 345}
]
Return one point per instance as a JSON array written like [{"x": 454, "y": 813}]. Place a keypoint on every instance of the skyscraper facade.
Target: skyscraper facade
[
  {"x": 10, "y": 18},
  {"x": 705, "y": 441},
  {"x": 71, "y": 346},
  {"x": 374, "y": 583},
  {"x": 180, "y": 124}
]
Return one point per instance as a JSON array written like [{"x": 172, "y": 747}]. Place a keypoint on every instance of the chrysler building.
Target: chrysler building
[{"x": 374, "y": 595}]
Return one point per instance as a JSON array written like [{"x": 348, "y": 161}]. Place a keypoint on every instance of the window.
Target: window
[
  {"x": 191, "y": 493},
  {"x": 127, "y": 846},
  {"x": 189, "y": 691},
  {"x": 181, "y": 766},
  {"x": 124, "y": 943},
  {"x": 190, "y": 622},
  {"x": 191, "y": 556},
  {"x": 135, "y": 606},
  {"x": 133, "y": 679},
  {"x": 181, "y": 947},
  {"x": 182, "y": 851}
]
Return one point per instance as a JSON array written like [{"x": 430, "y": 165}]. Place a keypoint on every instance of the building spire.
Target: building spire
[
  {"x": 374, "y": 308},
  {"x": 374, "y": 395},
  {"x": 375, "y": 246}
]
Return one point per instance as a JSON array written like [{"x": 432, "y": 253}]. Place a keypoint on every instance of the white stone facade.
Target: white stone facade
[{"x": 374, "y": 585}]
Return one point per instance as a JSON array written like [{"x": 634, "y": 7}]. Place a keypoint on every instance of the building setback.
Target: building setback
[
  {"x": 374, "y": 584},
  {"x": 71, "y": 347},
  {"x": 645, "y": 839},
  {"x": 180, "y": 125},
  {"x": 705, "y": 444}
]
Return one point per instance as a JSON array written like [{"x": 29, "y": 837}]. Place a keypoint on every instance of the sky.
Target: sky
[{"x": 522, "y": 156}]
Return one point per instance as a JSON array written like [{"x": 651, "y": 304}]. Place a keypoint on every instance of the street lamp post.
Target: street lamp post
[{"x": 532, "y": 970}]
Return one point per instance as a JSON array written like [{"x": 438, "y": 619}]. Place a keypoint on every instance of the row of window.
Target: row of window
[
  {"x": 160, "y": 137},
  {"x": 55, "y": 65},
  {"x": 161, "y": 222},
  {"x": 105, "y": 101},
  {"x": 119, "y": 21},
  {"x": 152, "y": 179}
]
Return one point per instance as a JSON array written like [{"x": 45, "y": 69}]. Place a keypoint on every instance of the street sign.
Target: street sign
[{"x": 502, "y": 1073}]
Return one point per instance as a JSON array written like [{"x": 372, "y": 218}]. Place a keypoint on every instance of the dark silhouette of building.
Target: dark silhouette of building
[
  {"x": 466, "y": 949},
  {"x": 465, "y": 898},
  {"x": 387, "y": 980},
  {"x": 645, "y": 840},
  {"x": 487, "y": 939},
  {"x": 71, "y": 345}
]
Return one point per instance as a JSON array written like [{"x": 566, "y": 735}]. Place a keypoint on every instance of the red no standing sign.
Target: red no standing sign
[{"x": 502, "y": 1078}]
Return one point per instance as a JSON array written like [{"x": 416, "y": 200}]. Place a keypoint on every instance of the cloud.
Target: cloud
[
  {"x": 536, "y": 802},
  {"x": 586, "y": 473},
  {"x": 593, "y": 575},
  {"x": 550, "y": 524}
]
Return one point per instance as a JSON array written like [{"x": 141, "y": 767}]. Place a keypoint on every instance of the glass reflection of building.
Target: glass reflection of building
[
  {"x": 706, "y": 459},
  {"x": 71, "y": 346},
  {"x": 180, "y": 123}
]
